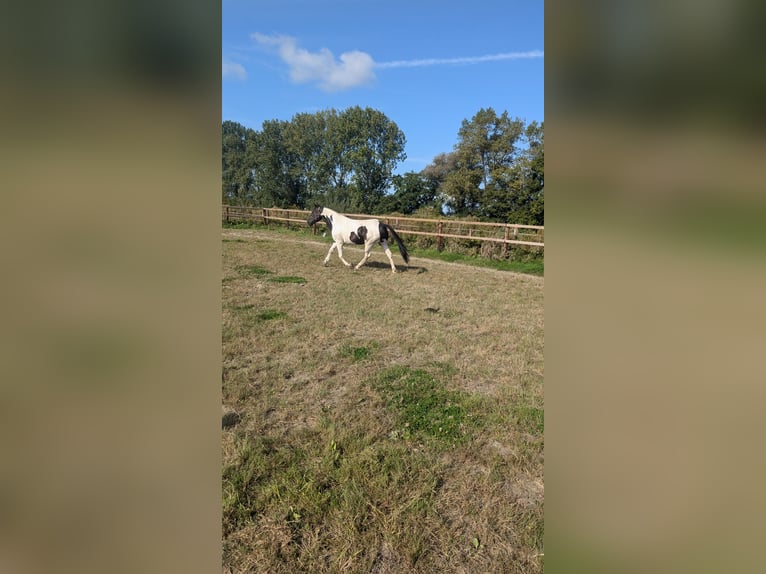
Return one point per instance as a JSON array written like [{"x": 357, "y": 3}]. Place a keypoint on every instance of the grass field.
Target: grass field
[
  {"x": 521, "y": 260},
  {"x": 376, "y": 422}
]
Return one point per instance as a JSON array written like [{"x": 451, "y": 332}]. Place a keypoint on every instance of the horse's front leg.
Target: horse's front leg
[
  {"x": 327, "y": 259},
  {"x": 340, "y": 254}
]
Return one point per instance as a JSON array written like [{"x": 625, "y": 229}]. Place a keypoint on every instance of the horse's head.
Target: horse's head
[{"x": 316, "y": 215}]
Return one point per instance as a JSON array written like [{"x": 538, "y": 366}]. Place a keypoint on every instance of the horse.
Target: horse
[{"x": 365, "y": 232}]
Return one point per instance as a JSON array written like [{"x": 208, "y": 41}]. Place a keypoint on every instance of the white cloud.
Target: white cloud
[
  {"x": 465, "y": 60},
  {"x": 352, "y": 69},
  {"x": 232, "y": 70},
  {"x": 356, "y": 68}
]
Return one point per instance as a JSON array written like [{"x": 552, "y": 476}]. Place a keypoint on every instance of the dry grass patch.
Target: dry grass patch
[{"x": 385, "y": 423}]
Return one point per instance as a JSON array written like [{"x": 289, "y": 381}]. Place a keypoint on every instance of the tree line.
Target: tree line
[{"x": 346, "y": 160}]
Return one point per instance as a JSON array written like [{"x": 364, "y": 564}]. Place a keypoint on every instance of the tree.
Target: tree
[
  {"x": 436, "y": 174},
  {"x": 346, "y": 160},
  {"x": 375, "y": 147},
  {"x": 275, "y": 181},
  {"x": 236, "y": 173},
  {"x": 412, "y": 191},
  {"x": 496, "y": 170},
  {"x": 486, "y": 150},
  {"x": 534, "y": 174}
]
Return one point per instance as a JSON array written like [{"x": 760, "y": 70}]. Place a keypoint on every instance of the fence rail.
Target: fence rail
[{"x": 445, "y": 228}]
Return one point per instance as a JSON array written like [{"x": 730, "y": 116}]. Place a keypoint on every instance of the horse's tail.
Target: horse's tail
[{"x": 399, "y": 242}]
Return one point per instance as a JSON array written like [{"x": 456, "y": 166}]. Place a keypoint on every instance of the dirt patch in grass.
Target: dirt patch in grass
[{"x": 340, "y": 384}]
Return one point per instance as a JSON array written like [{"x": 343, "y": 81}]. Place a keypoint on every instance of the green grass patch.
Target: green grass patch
[
  {"x": 425, "y": 408},
  {"x": 288, "y": 279},
  {"x": 531, "y": 419},
  {"x": 252, "y": 270},
  {"x": 270, "y": 315},
  {"x": 248, "y": 310},
  {"x": 358, "y": 353},
  {"x": 533, "y": 267},
  {"x": 240, "y": 225},
  {"x": 258, "y": 271},
  {"x": 247, "y": 318}
]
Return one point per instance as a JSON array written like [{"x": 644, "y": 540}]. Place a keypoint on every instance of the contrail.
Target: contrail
[
  {"x": 466, "y": 60},
  {"x": 350, "y": 69}
]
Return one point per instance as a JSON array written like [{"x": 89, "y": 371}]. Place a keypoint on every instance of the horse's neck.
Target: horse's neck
[{"x": 334, "y": 215}]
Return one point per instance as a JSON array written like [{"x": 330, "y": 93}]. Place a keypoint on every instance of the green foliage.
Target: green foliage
[
  {"x": 236, "y": 176},
  {"x": 374, "y": 147},
  {"x": 341, "y": 159},
  {"x": 496, "y": 170},
  {"x": 412, "y": 191},
  {"x": 346, "y": 160}
]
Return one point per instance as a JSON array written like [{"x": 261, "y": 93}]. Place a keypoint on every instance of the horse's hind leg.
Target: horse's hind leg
[
  {"x": 367, "y": 249},
  {"x": 340, "y": 254},
  {"x": 384, "y": 245}
]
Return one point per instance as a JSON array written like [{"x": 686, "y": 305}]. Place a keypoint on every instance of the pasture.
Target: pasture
[{"x": 376, "y": 422}]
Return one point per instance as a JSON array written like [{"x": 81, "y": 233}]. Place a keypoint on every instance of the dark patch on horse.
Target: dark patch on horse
[
  {"x": 315, "y": 215},
  {"x": 382, "y": 229},
  {"x": 360, "y": 236}
]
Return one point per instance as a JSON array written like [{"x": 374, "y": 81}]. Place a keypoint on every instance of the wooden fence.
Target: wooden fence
[{"x": 441, "y": 229}]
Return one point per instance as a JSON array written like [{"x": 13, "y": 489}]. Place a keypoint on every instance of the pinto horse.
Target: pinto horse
[{"x": 365, "y": 232}]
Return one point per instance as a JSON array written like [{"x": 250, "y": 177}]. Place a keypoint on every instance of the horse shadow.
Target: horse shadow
[{"x": 399, "y": 268}]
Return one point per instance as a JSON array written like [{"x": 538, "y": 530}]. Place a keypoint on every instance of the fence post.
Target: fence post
[
  {"x": 440, "y": 239},
  {"x": 504, "y": 251},
  {"x": 263, "y": 214},
  {"x": 227, "y": 214}
]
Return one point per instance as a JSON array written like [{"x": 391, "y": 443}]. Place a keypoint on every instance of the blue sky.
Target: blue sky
[{"x": 427, "y": 65}]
